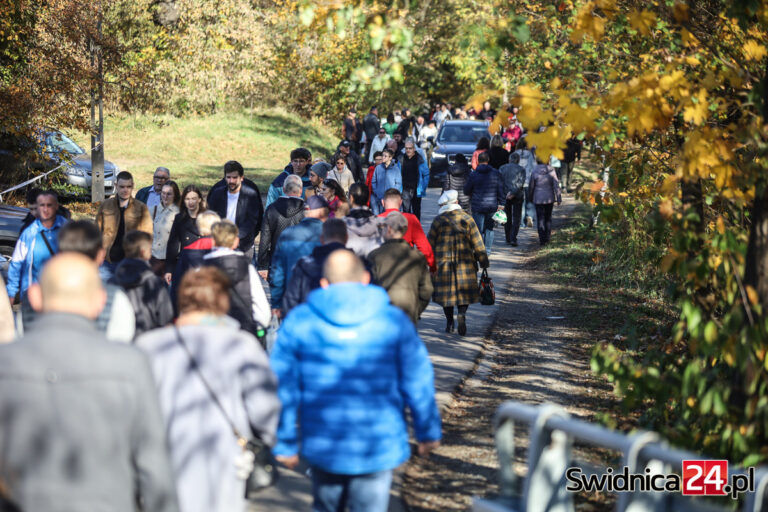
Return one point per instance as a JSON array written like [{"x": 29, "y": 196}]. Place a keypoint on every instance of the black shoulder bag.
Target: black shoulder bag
[{"x": 264, "y": 473}]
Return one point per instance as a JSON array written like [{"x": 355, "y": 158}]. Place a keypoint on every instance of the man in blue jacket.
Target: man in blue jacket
[
  {"x": 36, "y": 245},
  {"x": 485, "y": 188},
  {"x": 387, "y": 175},
  {"x": 294, "y": 243},
  {"x": 301, "y": 159},
  {"x": 352, "y": 362},
  {"x": 415, "y": 176}
]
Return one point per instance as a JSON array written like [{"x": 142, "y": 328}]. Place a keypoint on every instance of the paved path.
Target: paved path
[{"x": 453, "y": 357}]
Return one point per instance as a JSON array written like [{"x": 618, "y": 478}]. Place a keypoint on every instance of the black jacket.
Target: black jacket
[
  {"x": 455, "y": 178},
  {"x": 250, "y": 210},
  {"x": 283, "y": 213},
  {"x": 498, "y": 157},
  {"x": 235, "y": 266},
  {"x": 183, "y": 232},
  {"x": 306, "y": 275},
  {"x": 147, "y": 292}
]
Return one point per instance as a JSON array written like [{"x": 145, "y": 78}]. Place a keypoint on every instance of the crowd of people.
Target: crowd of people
[{"x": 179, "y": 280}]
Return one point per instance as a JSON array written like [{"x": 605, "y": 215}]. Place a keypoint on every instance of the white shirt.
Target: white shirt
[
  {"x": 153, "y": 199},
  {"x": 232, "y": 205}
]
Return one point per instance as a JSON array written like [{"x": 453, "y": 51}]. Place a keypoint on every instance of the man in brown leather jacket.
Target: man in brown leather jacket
[{"x": 117, "y": 216}]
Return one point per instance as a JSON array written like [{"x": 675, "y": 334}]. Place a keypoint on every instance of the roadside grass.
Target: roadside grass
[{"x": 196, "y": 148}]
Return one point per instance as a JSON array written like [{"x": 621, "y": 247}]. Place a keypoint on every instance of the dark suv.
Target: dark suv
[
  {"x": 455, "y": 137},
  {"x": 46, "y": 149}
]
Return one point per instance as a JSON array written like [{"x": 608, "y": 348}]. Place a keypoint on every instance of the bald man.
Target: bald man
[
  {"x": 79, "y": 417},
  {"x": 353, "y": 361}
]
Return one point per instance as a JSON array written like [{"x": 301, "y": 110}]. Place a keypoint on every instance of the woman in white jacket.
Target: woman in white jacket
[{"x": 341, "y": 173}]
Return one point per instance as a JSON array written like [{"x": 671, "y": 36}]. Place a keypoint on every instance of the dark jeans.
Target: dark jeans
[
  {"x": 514, "y": 210},
  {"x": 411, "y": 203},
  {"x": 485, "y": 225},
  {"x": 361, "y": 493},
  {"x": 544, "y": 221}
]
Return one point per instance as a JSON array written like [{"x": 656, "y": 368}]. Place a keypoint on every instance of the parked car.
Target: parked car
[
  {"x": 453, "y": 138},
  {"x": 11, "y": 218},
  {"x": 50, "y": 148}
]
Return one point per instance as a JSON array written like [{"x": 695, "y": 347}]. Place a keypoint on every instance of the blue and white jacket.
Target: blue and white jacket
[{"x": 24, "y": 269}]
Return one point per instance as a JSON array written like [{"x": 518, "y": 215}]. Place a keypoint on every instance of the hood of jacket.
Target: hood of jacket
[
  {"x": 289, "y": 206},
  {"x": 360, "y": 212},
  {"x": 484, "y": 169},
  {"x": 348, "y": 303},
  {"x": 363, "y": 226},
  {"x": 459, "y": 170},
  {"x": 131, "y": 272},
  {"x": 321, "y": 252}
]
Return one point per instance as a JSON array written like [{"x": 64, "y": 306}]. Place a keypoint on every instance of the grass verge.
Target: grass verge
[{"x": 195, "y": 149}]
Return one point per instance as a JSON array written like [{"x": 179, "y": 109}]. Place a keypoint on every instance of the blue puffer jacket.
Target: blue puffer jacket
[
  {"x": 348, "y": 363},
  {"x": 293, "y": 244},
  {"x": 485, "y": 187},
  {"x": 385, "y": 178}
]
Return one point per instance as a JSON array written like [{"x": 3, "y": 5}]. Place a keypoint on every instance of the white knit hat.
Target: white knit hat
[{"x": 449, "y": 196}]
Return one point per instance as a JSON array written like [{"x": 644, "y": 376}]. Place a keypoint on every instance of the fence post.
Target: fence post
[{"x": 549, "y": 455}]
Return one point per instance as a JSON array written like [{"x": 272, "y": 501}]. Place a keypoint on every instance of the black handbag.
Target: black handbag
[
  {"x": 485, "y": 288},
  {"x": 264, "y": 473}
]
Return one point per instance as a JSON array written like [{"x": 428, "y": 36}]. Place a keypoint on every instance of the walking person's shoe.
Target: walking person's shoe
[
  {"x": 462, "y": 325},
  {"x": 513, "y": 243},
  {"x": 449, "y": 326}
]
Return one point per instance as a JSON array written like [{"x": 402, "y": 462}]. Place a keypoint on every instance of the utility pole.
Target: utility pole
[{"x": 97, "y": 126}]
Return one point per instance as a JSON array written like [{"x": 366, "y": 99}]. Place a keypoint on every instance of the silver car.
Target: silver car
[{"x": 77, "y": 162}]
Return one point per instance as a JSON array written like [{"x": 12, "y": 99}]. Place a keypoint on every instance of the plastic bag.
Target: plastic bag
[
  {"x": 500, "y": 217},
  {"x": 271, "y": 336}
]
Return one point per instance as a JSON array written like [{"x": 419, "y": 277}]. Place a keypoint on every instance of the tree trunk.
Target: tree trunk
[{"x": 756, "y": 267}]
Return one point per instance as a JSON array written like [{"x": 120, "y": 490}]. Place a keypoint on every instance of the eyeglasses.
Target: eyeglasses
[
  {"x": 161, "y": 178},
  {"x": 409, "y": 148}
]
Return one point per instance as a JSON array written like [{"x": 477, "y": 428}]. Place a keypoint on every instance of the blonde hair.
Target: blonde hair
[
  {"x": 205, "y": 220},
  {"x": 224, "y": 233}
]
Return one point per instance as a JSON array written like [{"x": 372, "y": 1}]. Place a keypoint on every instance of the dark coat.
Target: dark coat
[
  {"x": 190, "y": 257},
  {"x": 371, "y": 125},
  {"x": 235, "y": 267},
  {"x": 485, "y": 189},
  {"x": 544, "y": 187},
  {"x": 498, "y": 156},
  {"x": 455, "y": 179},
  {"x": 81, "y": 427},
  {"x": 514, "y": 180},
  {"x": 248, "y": 215},
  {"x": 183, "y": 232},
  {"x": 402, "y": 271},
  {"x": 283, "y": 213},
  {"x": 147, "y": 292},
  {"x": 306, "y": 275},
  {"x": 458, "y": 248}
]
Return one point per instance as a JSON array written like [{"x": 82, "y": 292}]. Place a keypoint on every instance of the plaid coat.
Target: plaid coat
[{"x": 458, "y": 248}]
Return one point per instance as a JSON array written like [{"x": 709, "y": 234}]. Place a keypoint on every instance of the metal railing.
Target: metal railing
[{"x": 552, "y": 434}]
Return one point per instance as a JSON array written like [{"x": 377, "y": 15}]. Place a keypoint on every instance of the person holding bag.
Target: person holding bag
[
  {"x": 458, "y": 248},
  {"x": 217, "y": 393}
]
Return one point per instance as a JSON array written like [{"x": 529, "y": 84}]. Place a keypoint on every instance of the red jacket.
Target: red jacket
[
  {"x": 416, "y": 237},
  {"x": 205, "y": 243},
  {"x": 369, "y": 181}
]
